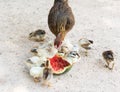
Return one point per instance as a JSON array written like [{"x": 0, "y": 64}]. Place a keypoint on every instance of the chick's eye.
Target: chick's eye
[
  {"x": 74, "y": 54},
  {"x": 42, "y": 32}
]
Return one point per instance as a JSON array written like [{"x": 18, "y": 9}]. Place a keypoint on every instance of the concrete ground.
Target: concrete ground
[{"x": 98, "y": 20}]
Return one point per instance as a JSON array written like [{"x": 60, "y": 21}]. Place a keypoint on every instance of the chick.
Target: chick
[
  {"x": 47, "y": 50},
  {"x": 72, "y": 57},
  {"x": 47, "y": 74},
  {"x": 109, "y": 58},
  {"x": 36, "y": 73},
  {"x": 84, "y": 43},
  {"x": 38, "y": 35},
  {"x": 63, "y": 51},
  {"x": 35, "y": 61},
  {"x": 65, "y": 48}
]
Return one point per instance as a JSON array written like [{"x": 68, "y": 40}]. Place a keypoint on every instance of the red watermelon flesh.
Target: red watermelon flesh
[{"x": 58, "y": 64}]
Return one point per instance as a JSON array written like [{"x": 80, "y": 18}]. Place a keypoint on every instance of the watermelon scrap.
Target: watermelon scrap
[{"x": 59, "y": 65}]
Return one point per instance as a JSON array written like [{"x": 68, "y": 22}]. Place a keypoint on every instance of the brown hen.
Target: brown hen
[{"x": 60, "y": 20}]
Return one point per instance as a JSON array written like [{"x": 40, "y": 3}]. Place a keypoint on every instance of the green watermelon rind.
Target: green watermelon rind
[{"x": 65, "y": 70}]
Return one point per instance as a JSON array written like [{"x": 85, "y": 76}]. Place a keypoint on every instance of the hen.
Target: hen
[{"x": 60, "y": 20}]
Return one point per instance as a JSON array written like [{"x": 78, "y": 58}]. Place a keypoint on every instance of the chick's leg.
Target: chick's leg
[
  {"x": 112, "y": 67},
  {"x": 46, "y": 83},
  {"x": 107, "y": 65},
  {"x": 86, "y": 53},
  {"x": 49, "y": 84},
  {"x": 36, "y": 79}
]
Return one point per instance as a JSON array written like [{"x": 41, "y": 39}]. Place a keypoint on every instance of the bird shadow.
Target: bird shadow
[{"x": 100, "y": 64}]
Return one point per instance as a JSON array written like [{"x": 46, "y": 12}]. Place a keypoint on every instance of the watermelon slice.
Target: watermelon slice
[{"x": 59, "y": 65}]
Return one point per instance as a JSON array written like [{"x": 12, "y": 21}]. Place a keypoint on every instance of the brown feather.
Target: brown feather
[{"x": 60, "y": 19}]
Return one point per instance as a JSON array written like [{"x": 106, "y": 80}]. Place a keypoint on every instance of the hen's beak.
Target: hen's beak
[
  {"x": 58, "y": 40},
  {"x": 56, "y": 46}
]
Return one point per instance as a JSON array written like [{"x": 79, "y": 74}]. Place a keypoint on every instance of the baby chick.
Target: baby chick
[
  {"x": 47, "y": 74},
  {"x": 36, "y": 73},
  {"x": 84, "y": 43},
  {"x": 72, "y": 57},
  {"x": 63, "y": 50},
  {"x": 47, "y": 50},
  {"x": 35, "y": 61},
  {"x": 38, "y": 35},
  {"x": 109, "y": 58}
]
